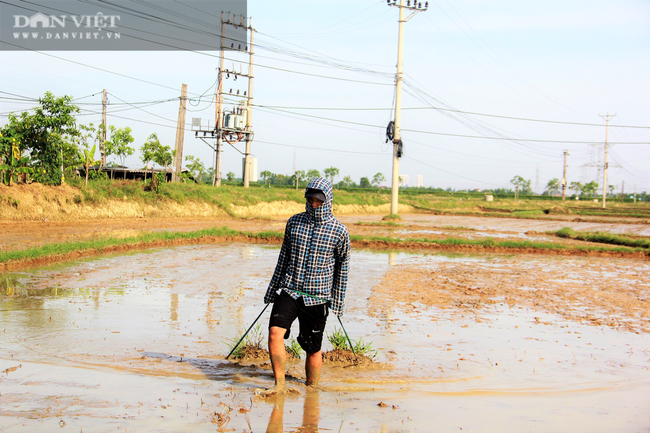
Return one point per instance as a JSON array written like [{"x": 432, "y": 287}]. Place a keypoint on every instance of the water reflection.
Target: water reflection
[{"x": 310, "y": 413}]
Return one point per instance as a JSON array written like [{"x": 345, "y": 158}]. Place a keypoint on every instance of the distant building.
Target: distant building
[
  {"x": 405, "y": 180},
  {"x": 419, "y": 181}
]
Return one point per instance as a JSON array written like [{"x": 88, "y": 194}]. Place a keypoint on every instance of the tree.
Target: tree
[
  {"x": 266, "y": 176},
  {"x": 378, "y": 179},
  {"x": 149, "y": 149},
  {"x": 553, "y": 186},
  {"x": 364, "y": 182},
  {"x": 576, "y": 187},
  {"x": 589, "y": 189},
  {"x": 164, "y": 156},
  {"x": 231, "y": 176},
  {"x": 347, "y": 181},
  {"x": 298, "y": 176},
  {"x": 312, "y": 174},
  {"x": 520, "y": 184},
  {"x": 119, "y": 145},
  {"x": 331, "y": 173},
  {"x": 195, "y": 167},
  {"x": 44, "y": 137}
]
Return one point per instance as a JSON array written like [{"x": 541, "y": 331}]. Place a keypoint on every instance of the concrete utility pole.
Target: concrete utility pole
[
  {"x": 566, "y": 153},
  {"x": 180, "y": 135},
  {"x": 232, "y": 128},
  {"x": 606, "y": 117},
  {"x": 249, "y": 111},
  {"x": 102, "y": 146},
  {"x": 397, "y": 142},
  {"x": 218, "y": 116}
]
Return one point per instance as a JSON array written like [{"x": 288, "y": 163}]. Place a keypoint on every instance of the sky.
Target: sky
[{"x": 491, "y": 90}]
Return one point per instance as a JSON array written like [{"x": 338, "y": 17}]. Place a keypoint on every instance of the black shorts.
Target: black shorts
[{"x": 312, "y": 320}]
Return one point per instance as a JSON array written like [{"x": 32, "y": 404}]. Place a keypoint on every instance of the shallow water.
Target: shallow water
[{"x": 137, "y": 342}]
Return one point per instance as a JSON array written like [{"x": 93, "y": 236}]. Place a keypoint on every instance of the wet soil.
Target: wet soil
[{"x": 471, "y": 342}]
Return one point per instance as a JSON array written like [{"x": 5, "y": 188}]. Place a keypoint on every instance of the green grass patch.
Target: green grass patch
[
  {"x": 603, "y": 238},
  {"x": 491, "y": 243},
  {"x": 458, "y": 228},
  {"x": 143, "y": 239},
  {"x": 378, "y": 223},
  {"x": 392, "y": 217}
]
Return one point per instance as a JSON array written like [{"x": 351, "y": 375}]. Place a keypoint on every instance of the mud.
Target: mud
[{"x": 470, "y": 343}]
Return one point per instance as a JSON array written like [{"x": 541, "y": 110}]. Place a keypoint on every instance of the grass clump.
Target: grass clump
[
  {"x": 339, "y": 341},
  {"x": 294, "y": 351},
  {"x": 250, "y": 347},
  {"x": 392, "y": 217}
]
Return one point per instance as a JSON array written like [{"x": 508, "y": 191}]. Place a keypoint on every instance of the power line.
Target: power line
[{"x": 318, "y": 148}]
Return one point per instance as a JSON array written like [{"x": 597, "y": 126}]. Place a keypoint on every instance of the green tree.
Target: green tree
[
  {"x": 149, "y": 149},
  {"x": 266, "y": 176},
  {"x": 347, "y": 181},
  {"x": 589, "y": 189},
  {"x": 312, "y": 174},
  {"x": 553, "y": 186},
  {"x": 576, "y": 187},
  {"x": 164, "y": 157},
  {"x": 118, "y": 145},
  {"x": 298, "y": 177},
  {"x": 520, "y": 184},
  {"x": 231, "y": 176},
  {"x": 364, "y": 183},
  {"x": 378, "y": 179},
  {"x": 45, "y": 136},
  {"x": 331, "y": 173},
  {"x": 196, "y": 167}
]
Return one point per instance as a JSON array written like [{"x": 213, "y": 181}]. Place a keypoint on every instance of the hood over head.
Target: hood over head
[{"x": 323, "y": 213}]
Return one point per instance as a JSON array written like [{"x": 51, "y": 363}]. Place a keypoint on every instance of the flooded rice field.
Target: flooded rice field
[{"x": 486, "y": 343}]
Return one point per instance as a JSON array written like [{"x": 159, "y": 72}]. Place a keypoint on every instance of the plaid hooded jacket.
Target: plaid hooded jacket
[{"x": 315, "y": 255}]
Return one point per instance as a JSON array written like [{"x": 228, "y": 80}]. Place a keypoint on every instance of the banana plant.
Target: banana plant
[
  {"x": 89, "y": 159},
  {"x": 14, "y": 164}
]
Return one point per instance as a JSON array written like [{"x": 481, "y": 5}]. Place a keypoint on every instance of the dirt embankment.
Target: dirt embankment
[{"x": 36, "y": 202}]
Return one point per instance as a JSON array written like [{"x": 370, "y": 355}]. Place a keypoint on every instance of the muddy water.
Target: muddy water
[{"x": 137, "y": 342}]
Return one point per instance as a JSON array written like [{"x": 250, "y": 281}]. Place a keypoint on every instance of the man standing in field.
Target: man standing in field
[{"x": 309, "y": 279}]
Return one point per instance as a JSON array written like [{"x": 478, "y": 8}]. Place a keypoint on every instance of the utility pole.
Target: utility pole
[
  {"x": 180, "y": 135},
  {"x": 231, "y": 127},
  {"x": 396, "y": 135},
  {"x": 606, "y": 117},
  {"x": 566, "y": 153},
  {"x": 249, "y": 111},
  {"x": 102, "y": 146},
  {"x": 218, "y": 115}
]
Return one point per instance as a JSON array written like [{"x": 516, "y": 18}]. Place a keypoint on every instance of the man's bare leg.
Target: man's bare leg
[
  {"x": 313, "y": 365},
  {"x": 278, "y": 355}
]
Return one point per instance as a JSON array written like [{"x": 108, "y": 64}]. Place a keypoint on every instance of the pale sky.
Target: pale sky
[{"x": 329, "y": 67}]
